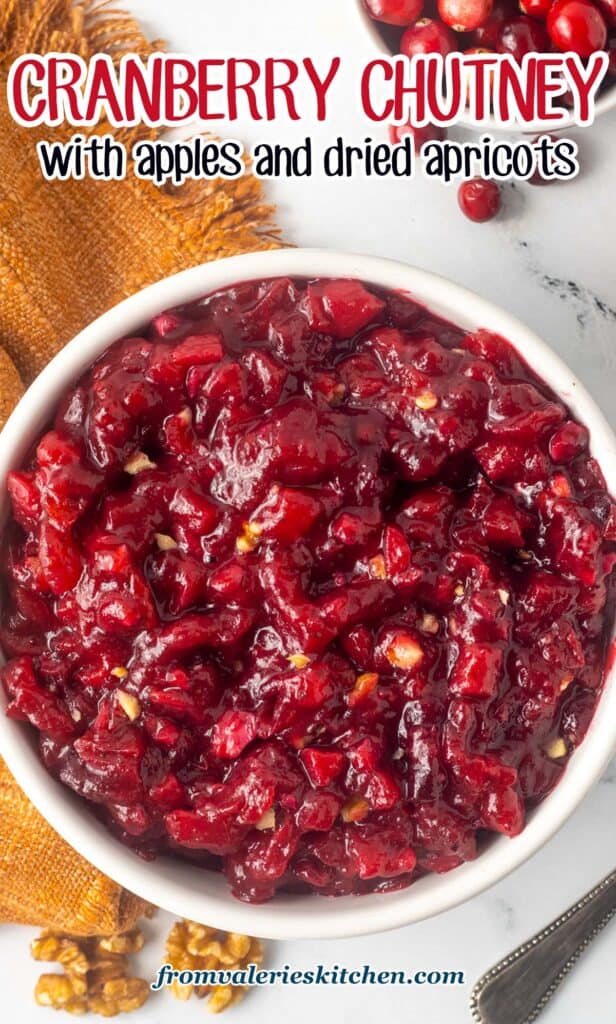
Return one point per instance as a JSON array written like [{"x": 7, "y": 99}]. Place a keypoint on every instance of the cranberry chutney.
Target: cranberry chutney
[{"x": 309, "y": 586}]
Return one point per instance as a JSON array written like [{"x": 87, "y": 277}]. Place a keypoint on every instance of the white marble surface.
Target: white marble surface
[{"x": 524, "y": 261}]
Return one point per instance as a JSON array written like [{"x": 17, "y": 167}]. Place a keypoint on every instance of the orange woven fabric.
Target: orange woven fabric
[
  {"x": 44, "y": 882},
  {"x": 68, "y": 252}
]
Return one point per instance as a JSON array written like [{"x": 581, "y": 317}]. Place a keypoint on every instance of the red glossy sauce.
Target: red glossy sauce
[{"x": 310, "y": 586}]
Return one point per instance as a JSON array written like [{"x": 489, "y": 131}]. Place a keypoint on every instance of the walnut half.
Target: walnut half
[
  {"x": 196, "y": 947},
  {"x": 95, "y": 977}
]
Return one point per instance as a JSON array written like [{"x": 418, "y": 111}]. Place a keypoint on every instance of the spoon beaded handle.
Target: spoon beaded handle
[{"x": 516, "y": 990}]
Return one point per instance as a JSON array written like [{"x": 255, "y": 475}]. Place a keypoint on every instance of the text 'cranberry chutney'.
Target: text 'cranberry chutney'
[{"x": 309, "y": 586}]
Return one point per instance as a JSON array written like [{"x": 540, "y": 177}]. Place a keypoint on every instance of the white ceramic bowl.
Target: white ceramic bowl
[
  {"x": 605, "y": 102},
  {"x": 194, "y": 893}
]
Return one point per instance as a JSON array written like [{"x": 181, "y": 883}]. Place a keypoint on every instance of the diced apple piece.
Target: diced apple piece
[
  {"x": 322, "y": 765},
  {"x": 341, "y": 308},
  {"x": 198, "y": 350},
  {"x": 233, "y": 731},
  {"x": 477, "y": 671}
]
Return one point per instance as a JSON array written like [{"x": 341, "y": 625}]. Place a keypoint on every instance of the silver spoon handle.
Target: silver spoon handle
[{"x": 516, "y": 990}]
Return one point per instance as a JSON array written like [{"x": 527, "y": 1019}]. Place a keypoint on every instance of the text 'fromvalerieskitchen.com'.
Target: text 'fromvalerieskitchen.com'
[{"x": 253, "y": 975}]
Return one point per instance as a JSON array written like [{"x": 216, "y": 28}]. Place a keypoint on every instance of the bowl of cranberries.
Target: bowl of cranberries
[
  {"x": 516, "y": 27},
  {"x": 307, "y": 592}
]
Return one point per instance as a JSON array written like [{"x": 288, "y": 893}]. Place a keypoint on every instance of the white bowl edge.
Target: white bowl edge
[{"x": 190, "y": 891}]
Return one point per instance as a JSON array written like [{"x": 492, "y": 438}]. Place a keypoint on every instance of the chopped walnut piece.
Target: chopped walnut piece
[
  {"x": 238, "y": 945},
  {"x": 404, "y": 652},
  {"x": 123, "y": 944},
  {"x": 197, "y": 947},
  {"x": 557, "y": 749},
  {"x": 429, "y": 623},
  {"x": 337, "y": 394},
  {"x": 327, "y": 387},
  {"x": 129, "y": 704},
  {"x": 120, "y": 672},
  {"x": 426, "y": 400},
  {"x": 182, "y": 992},
  {"x": 249, "y": 538},
  {"x": 58, "y": 991},
  {"x": 298, "y": 661},
  {"x": 119, "y": 995},
  {"x": 364, "y": 684},
  {"x": 95, "y": 977},
  {"x": 355, "y": 809},
  {"x": 566, "y": 681},
  {"x": 137, "y": 463},
  {"x": 45, "y": 946},
  {"x": 378, "y": 569},
  {"x": 60, "y": 949},
  {"x": 222, "y": 997},
  {"x": 559, "y": 486},
  {"x": 267, "y": 820},
  {"x": 524, "y": 555},
  {"x": 165, "y": 542},
  {"x": 105, "y": 968},
  {"x": 459, "y": 590}
]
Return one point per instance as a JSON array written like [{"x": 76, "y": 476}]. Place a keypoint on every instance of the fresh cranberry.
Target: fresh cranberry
[
  {"x": 464, "y": 15},
  {"x": 521, "y": 36},
  {"x": 577, "y": 26},
  {"x": 479, "y": 200},
  {"x": 536, "y": 8},
  {"x": 608, "y": 10},
  {"x": 428, "y": 36},
  {"x": 394, "y": 12},
  {"x": 487, "y": 34},
  {"x": 309, "y": 585}
]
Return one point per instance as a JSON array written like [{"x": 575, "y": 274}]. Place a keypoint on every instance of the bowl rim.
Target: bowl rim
[
  {"x": 178, "y": 887},
  {"x": 605, "y": 102}
]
